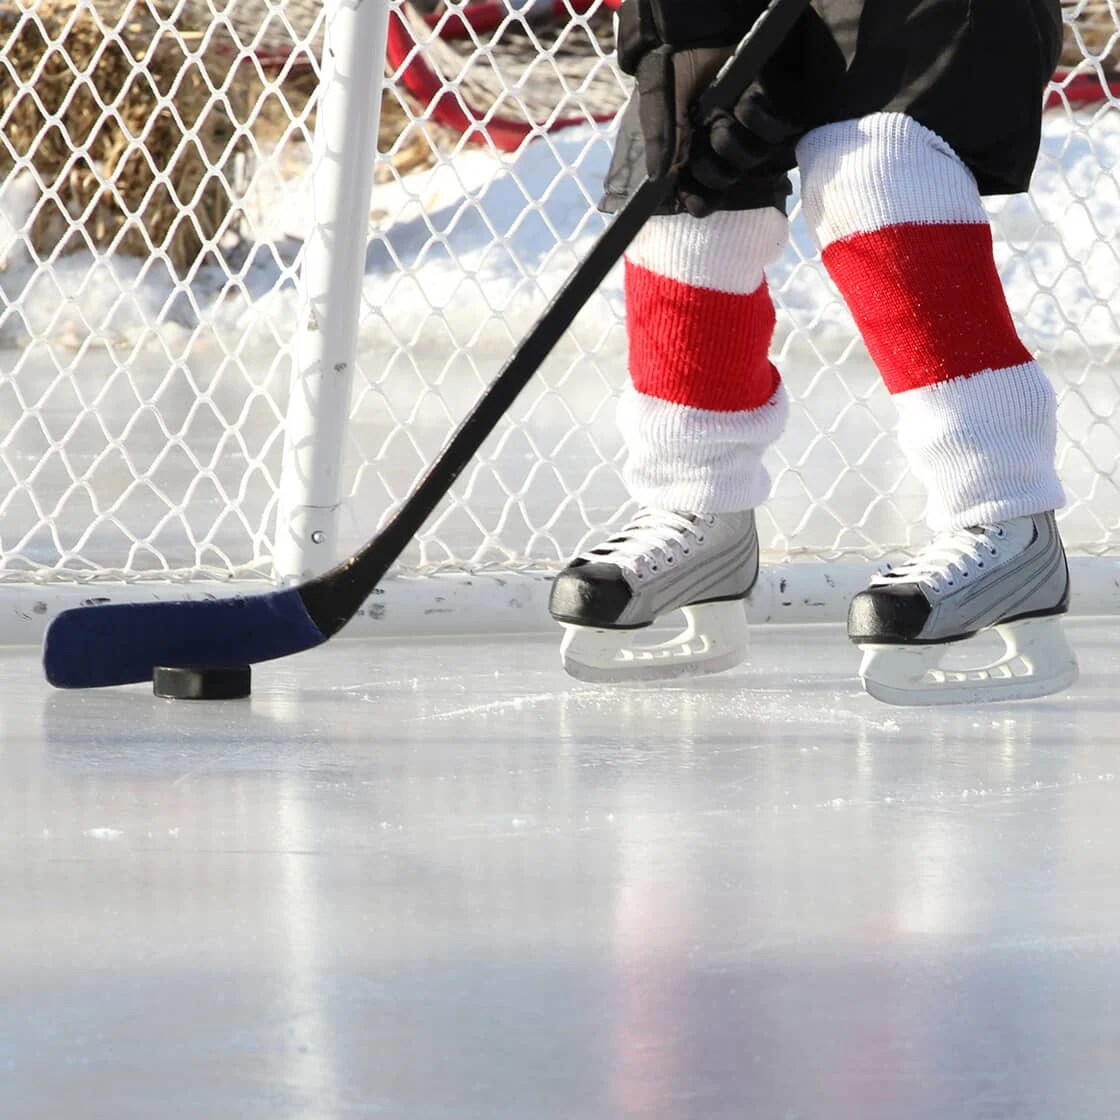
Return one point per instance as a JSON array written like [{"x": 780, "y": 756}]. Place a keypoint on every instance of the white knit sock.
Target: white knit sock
[
  {"x": 903, "y": 232},
  {"x": 704, "y": 401}
]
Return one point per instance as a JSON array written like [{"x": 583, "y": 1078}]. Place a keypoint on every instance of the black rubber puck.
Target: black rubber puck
[{"x": 201, "y": 682}]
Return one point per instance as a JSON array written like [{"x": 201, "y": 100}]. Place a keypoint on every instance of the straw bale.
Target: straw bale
[
  {"x": 1096, "y": 24},
  {"x": 142, "y": 159}
]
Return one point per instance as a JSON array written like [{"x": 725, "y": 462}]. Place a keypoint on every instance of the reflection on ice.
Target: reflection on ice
[{"x": 441, "y": 879}]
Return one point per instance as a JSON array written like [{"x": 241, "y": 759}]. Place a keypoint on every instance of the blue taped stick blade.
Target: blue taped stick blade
[{"x": 122, "y": 643}]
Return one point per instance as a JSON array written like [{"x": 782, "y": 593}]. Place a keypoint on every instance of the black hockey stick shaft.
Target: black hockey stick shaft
[{"x": 333, "y": 598}]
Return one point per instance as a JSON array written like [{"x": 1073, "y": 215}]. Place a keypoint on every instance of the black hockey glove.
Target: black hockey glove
[
  {"x": 726, "y": 146},
  {"x": 673, "y": 49}
]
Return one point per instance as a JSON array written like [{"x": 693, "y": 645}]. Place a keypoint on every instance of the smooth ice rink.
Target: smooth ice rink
[{"x": 439, "y": 881}]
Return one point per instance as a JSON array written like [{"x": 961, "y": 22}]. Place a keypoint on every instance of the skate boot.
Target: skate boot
[
  {"x": 662, "y": 561},
  {"x": 1010, "y": 578}
]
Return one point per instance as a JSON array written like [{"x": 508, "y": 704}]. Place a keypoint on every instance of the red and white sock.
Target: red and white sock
[
  {"x": 905, "y": 237},
  {"x": 704, "y": 401}
]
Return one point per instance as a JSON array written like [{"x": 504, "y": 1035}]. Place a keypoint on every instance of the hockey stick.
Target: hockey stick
[{"x": 121, "y": 643}]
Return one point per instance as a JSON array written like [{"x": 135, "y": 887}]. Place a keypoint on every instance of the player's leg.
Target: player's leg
[
  {"x": 903, "y": 233},
  {"x": 703, "y": 401},
  {"x": 703, "y": 404}
]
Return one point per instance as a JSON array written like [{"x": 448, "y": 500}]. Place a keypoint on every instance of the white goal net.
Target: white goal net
[{"x": 153, "y": 211}]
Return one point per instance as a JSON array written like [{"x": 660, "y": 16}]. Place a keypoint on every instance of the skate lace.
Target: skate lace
[
  {"x": 952, "y": 559},
  {"x": 653, "y": 540}
]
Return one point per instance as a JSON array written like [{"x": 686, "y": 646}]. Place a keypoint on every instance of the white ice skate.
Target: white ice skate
[
  {"x": 701, "y": 564},
  {"x": 1010, "y": 579}
]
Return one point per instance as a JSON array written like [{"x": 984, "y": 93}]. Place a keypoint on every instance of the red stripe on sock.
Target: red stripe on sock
[
  {"x": 928, "y": 301},
  {"x": 698, "y": 347}
]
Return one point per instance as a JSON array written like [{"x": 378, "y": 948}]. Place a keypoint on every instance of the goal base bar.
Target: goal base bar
[{"x": 457, "y": 603}]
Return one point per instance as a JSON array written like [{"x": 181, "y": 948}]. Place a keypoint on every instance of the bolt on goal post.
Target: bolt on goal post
[{"x": 325, "y": 349}]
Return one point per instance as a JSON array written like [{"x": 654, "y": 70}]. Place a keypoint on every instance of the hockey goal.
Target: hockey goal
[{"x": 155, "y": 217}]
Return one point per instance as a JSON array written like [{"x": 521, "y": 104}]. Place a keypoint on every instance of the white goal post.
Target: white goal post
[{"x": 237, "y": 320}]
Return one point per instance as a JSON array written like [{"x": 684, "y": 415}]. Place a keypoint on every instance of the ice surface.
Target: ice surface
[{"x": 441, "y": 881}]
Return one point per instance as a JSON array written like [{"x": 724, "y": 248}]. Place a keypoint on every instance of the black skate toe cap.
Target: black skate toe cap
[
  {"x": 589, "y": 594},
  {"x": 887, "y": 614}
]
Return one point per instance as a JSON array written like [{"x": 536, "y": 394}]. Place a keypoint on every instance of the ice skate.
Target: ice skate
[
  {"x": 702, "y": 564},
  {"x": 1009, "y": 578}
]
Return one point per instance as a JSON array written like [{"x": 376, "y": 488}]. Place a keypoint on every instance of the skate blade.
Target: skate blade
[
  {"x": 1037, "y": 661},
  {"x": 715, "y": 638}
]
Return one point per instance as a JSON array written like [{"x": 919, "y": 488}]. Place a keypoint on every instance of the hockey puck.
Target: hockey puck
[{"x": 202, "y": 682}]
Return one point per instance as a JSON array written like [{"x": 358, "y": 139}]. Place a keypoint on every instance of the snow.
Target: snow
[
  {"x": 479, "y": 237},
  {"x": 461, "y": 259}
]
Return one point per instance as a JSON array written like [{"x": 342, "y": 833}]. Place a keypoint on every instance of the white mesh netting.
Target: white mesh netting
[{"x": 152, "y": 209}]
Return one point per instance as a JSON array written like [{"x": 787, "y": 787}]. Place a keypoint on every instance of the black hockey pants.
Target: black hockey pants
[{"x": 972, "y": 71}]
